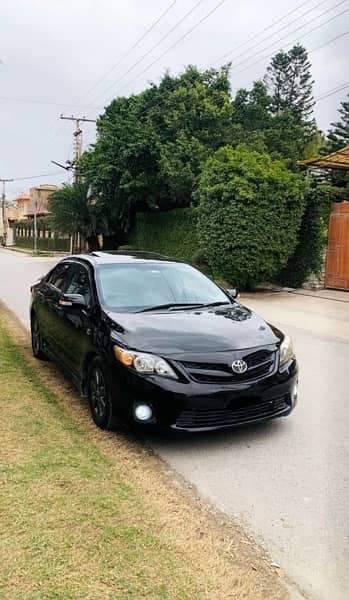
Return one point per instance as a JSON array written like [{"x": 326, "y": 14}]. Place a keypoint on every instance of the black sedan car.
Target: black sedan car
[{"x": 153, "y": 342}]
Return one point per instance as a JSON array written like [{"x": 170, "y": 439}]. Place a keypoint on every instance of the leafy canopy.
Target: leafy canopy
[{"x": 150, "y": 147}]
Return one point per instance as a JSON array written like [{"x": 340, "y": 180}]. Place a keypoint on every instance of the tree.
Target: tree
[
  {"x": 289, "y": 82},
  {"x": 251, "y": 116},
  {"x": 150, "y": 147},
  {"x": 338, "y": 135},
  {"x": 249, "y": 214},
  {"x": 74, "y": 211},
  {"x": 252, "y": 108}
]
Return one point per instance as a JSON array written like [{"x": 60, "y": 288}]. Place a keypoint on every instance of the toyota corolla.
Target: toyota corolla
[{"x": 152, "y": 342}]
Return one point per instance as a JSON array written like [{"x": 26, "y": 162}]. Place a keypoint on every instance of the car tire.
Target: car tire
[
  {"x": 36, "y": 339},
  {"x": 100, "y": 399}
]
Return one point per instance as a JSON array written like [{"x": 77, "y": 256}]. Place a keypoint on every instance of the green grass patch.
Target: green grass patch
[{"x": 71, "y": 528}]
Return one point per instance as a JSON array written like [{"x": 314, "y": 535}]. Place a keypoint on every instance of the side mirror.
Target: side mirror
[
  {"x": 232, "y": 293},
  {"x": 72, "y": 301}
]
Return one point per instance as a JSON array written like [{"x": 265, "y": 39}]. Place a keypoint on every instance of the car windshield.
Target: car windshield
[{"x": 139, "y": 286}]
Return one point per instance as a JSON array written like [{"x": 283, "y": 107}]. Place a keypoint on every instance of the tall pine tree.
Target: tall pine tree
[
  {"x": 290, "y": 84},
  {"x": 338, "y": 135}
]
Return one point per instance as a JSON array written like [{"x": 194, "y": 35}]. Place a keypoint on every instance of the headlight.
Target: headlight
[
  {"x": 148, "y": 364},
  {"x": 286, "y": 350}
]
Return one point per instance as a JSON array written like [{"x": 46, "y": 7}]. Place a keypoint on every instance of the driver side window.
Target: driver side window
[
  {"x": 60, "y": 276},
  {"x": 80, "y": 284}
]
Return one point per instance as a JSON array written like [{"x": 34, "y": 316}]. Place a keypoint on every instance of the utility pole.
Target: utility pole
[
  {"x": 4, "y": 211},
  {"x": 77, "y": 142},
  {"x": 77, "y": 155}
]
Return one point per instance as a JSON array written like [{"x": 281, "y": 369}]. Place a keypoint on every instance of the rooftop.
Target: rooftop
[{"x": 334, "y": 160}]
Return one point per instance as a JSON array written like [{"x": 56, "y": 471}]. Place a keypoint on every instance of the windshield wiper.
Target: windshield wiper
[
  {"x": 172, "y": 305},
  {"x": 211, "y": 304}
]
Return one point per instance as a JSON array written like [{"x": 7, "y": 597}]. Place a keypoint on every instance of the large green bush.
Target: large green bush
[
  {"x": 308, "y": 254},
  {"x": 250, "y": 210},
  {"x": 171, "y": 233}
]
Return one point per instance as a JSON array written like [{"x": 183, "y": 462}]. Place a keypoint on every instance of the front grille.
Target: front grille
[
  {"x": 259, "y": 364},
  {"x": 196, "y": 418}
]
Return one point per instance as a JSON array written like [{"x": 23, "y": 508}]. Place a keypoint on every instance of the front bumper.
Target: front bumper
[{"x": 193, "y": 406}]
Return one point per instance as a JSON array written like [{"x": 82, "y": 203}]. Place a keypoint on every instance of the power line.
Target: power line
[
  {"x": 233, "y": 50},
  {"x": 333, "y": 91},
  {"x": 167, "y": 34},
  {"x": 36, "y": 176},
  {"x": 156, "y": 22},
  {"x": 298, "y": 28},
  {"x": 177, "y": 42},
  {"x": 329, "y": 41},
  {"x": 337, "y": 37},
  {"x": 55, "y": 131},
  {"x": 296, "y": 40},
  {"x": 47, "y": 102}
]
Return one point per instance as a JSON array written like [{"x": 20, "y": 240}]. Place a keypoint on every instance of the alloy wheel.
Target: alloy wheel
[{"x": 98, "y": 393}]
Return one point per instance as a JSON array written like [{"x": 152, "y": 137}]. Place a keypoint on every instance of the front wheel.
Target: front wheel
[
  {"x": 36, "y": 339},
  {"x": 99, "y": 396}
]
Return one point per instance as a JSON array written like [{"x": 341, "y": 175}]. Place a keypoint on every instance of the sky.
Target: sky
[{"x": 72, "y": 57}]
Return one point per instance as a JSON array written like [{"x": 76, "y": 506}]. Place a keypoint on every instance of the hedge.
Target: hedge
[
  {"x": 171, "y": 233},
  {"x": 53, "y": 244}
]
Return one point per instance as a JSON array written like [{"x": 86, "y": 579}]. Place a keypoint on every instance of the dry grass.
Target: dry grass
[{"x": 90, "y": 515}]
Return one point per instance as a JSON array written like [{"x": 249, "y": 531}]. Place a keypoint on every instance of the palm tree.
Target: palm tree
[{"x": 73, "y": 210}]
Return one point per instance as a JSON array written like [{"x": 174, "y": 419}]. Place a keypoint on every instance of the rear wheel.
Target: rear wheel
[
  {"x": 36, "y": 339},
  {"x": 99, "y": 396}
]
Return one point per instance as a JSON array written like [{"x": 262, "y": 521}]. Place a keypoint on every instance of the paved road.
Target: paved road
[{"x": 287, "y": 480}]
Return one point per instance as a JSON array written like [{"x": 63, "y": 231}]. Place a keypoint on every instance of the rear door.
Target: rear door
[
  {"x": 48, "y": 296},
  {"x": 77, "y": 324}
]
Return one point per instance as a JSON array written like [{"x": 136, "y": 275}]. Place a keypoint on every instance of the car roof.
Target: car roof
[{"x": 121, "y": 257}]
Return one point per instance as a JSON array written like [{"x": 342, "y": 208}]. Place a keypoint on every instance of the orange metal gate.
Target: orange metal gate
[{"x": 337, "y": 261}]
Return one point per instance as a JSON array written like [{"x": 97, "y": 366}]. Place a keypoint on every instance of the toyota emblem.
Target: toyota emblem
[{"x": 239, "y": 366}]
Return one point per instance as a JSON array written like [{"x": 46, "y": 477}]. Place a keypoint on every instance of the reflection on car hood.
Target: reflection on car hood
[{"x": 230, "y": 327}]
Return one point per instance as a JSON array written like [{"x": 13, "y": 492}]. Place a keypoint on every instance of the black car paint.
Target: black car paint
[{"x": 74, "y": 336}]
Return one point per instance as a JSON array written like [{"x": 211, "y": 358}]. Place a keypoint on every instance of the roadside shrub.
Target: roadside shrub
[
  {"x": 249, "y": 213},
  {"x": 308, "y": 255}
]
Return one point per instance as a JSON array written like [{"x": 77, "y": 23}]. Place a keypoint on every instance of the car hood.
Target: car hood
[{"x": 232, "y": 327}]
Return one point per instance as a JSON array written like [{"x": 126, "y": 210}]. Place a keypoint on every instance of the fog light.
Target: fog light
[{"x": 143, "y": 412}]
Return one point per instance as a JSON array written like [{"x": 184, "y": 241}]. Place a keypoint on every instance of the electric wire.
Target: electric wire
[
  {"x": 128, "y": 52},
  {"x": 213, "y": 10},
  {"x": 297, "y": 29},
  {"x": 167, "y": 34},
  {"x": 195, "y": 26},
  {"x": 46, "y": 102},
  {"x": 56, "y": 130},
  {"x": 340, "y": 88},
  {"x": 37, "y": 176},
  {"x": 295, "y": 40},
  {"x": 233, "y": 50}
]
